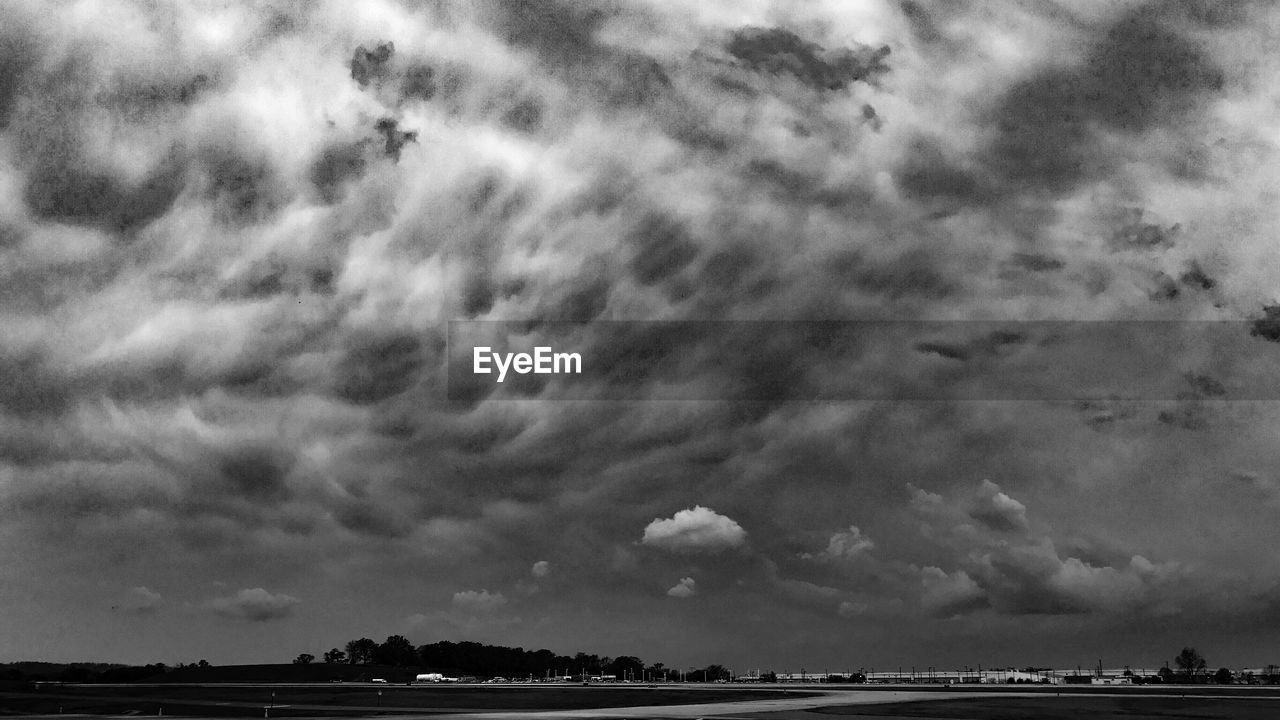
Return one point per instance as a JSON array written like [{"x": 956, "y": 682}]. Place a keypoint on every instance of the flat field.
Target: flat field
[
  {"x": 248, "y": 700},
  {"x": 621, "y": 702}
]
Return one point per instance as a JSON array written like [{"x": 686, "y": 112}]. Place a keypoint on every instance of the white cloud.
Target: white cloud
[
  {"x": 1033, "y": 578},
  {"x": 687, "y": 587},
  {"x": 479, "y": 600},
  {"x": 843, "y": 545},
  {"x": 142, "y": 600},
  {"x": 541, "y": 569},
  {"x": 697, "y": 529},
  {"x": 253, "y": 605},
  {"x": 951, "y": 594},
  {"x": 849, "y": 608},
  {"x": 998, "y": 511}
]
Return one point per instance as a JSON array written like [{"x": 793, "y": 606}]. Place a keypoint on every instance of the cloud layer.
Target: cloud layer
[{"x": 232, "y": 240}]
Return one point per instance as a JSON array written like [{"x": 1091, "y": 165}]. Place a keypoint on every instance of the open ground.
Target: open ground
[{"x": 549, "y": 703}]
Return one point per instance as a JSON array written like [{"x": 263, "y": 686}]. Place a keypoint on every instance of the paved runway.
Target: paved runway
[
  {"x": 722, "y": 710},
  {"x": 725, "y": 710}
]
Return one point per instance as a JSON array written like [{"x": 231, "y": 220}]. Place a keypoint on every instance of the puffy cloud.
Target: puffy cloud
[
  {"x": 843, "y": 545},
  {"x": 254, "y": 605},
  {"x": 850, "y": 608},
  {"x": 141, "y": 600},
  {"x": 1036, "y": 579},
  {"x": 997, "y": 510},
  {"x": 697, "y": 529},
  {"x": 541, "y": 569},
  {"x": 687, "y": 587},
  {"x": 1005, "y": 565},
  {"x": 948, "y": 594},
  {"x": 478, "y": 600}
]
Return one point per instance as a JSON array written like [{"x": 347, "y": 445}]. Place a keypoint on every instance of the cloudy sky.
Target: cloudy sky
[{"x": 233, "y": 237}]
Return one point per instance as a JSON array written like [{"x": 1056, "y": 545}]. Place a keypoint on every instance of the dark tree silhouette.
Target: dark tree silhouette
[
  {"x": 396, "y": 650},
  {"x": 1190, "y": 663},
  {"x": 1223, "y": 676},
  {"x": 626, "y": 667},
  {"x": 335, "y": 657},
  {"x": 360, "y": 652},
  {"x": 712, "y": 673},
  {"x": 304, "y": 659}
]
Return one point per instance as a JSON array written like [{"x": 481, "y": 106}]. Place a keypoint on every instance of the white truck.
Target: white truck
[{"x": 434, "y": 678}]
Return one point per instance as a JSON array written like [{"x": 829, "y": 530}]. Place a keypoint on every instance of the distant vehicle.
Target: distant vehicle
[
  {"x": 434, "y": 678},
  {"x": 379, "y": 680}
]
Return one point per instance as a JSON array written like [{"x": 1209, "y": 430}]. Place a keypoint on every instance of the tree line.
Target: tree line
[{"x": 475, "y": 658}]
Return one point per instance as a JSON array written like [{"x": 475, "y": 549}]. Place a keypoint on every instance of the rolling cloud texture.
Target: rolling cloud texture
[{"x": 232, "y": 237}]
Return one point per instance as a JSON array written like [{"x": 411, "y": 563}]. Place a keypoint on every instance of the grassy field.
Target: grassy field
[{"x": 240, "y": 701}]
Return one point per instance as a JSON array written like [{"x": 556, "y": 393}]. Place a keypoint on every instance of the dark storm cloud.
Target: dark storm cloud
[
  {"x": 1036, "y": 263},
  {"x": 335, "y": 166},
  {"x": 66, "y": 190},
  {"x": 1135, "y": 233},
  {"x": 394, "y": 139},
  {"x": 929, "y": 174},
  {"x": 525, "y": 116},
  {"x": 29, "y": 386},
  {"x": 254, "y": 474},
  {"x": 922, "y": 22},
  {"x": 271, "y": 276},
  {"x": 246, "y": 188},
  {"x": 247, "y": 365},
  {"x": 371, "y": 65},
  {"x": 662, "y": 248},
  {"x": 19, "y": 53},
  {"x": 61, "y": 183},
  {"x": 1140, "y": 74},
  {"x": 912, "y": 274},
  {"x": 777, "y": 50},
  {"x": 1196, "y": 278},
  {"x": 562, "y": 33},
  {"x": 377, "y": 368},
  {"x": 1267, "y": 327}
]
